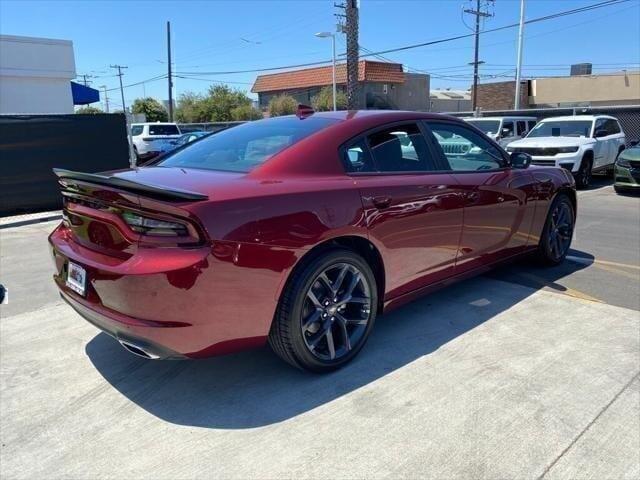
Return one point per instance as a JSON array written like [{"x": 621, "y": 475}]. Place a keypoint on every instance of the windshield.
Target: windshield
[
  {"x": 242, "y": 148},
  {"x": 487, "y": 126},
  {"x": 562, "y": 128}
]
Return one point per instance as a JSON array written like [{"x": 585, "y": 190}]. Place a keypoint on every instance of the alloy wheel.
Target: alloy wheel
[
  {"x": 336, "y": 312},
  {"x": 560, "y": 230}
]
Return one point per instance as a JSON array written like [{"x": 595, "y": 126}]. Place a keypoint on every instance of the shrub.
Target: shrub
[
  {"x": 282, "y": 105},
  {"x": 246, "y": 112},
  {"x": 323, "y": 102}
]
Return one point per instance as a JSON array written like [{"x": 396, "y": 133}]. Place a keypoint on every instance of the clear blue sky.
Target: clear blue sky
[{"x": 219, "y": 36}]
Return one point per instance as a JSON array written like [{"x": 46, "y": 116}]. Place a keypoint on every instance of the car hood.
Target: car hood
[{"x": 546, "y": 142}]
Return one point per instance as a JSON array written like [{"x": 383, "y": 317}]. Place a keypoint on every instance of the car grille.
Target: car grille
[
  {"x": 455, "y": 148},
  {"x": 537, "y": 151},
  {"x": 546, "y": 163}
]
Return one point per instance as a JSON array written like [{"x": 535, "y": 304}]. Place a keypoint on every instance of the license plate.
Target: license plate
[{"x": 76, "y": 278}]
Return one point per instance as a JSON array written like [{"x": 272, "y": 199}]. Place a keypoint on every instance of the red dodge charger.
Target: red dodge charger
[{"x": 298, "y": 231}]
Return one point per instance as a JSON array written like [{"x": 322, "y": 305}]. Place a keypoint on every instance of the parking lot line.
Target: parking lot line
[
  {"x": 588, "y": 261},
  {"x": 561, "y": 289}
]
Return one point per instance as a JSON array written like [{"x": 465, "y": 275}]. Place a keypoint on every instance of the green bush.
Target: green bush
[
  {"x": 89, "y": 109},
  {"x": 246, "y": 112},
  {"x": 282, "y": 105},
  {"x": 323, "y": 102},
  {"x": 152, "y": 109}
]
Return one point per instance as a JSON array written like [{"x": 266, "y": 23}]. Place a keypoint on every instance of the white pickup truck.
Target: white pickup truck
[{"x": 582, "y": 144}]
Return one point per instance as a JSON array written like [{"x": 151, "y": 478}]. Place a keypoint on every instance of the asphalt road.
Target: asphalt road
[{"x": 522, "y": 373}]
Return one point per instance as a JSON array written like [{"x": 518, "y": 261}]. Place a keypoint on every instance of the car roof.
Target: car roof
[
  {"x": 578, "y": 117},
  {"x": 519, "y": 117}
]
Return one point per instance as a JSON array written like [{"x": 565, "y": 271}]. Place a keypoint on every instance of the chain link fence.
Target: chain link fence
[
  {"x": 206, "y": 127},
  {"x": 627, "y": 115}
]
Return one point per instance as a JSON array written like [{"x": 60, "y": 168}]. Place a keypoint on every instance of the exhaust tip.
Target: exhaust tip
[{"x": 138, "y": 350}]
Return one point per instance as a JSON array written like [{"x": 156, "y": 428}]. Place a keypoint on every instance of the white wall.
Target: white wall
[{"x": 35, "y": 75}]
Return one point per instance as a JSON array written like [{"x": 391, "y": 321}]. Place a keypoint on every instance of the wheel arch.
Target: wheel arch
[{"x": 359, "y": 245}]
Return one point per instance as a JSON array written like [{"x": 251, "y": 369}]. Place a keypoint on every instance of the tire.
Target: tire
[
  {"x": 583, "y": 175},
  {"x": 556, "y": 240},
  {"x": 304, "y": 321}
]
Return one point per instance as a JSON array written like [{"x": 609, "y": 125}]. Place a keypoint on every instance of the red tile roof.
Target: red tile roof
[{"x": 368, "y": 71}]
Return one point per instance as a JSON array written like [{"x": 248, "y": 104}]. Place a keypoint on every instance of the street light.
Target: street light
[{"x": 333, "y": 42}]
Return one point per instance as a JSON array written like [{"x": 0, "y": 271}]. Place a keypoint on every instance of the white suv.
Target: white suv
[
  {"x": 503, "y": 130},
  {"x": 582, "y": 144},
  {"x": 153, "y": 139}
]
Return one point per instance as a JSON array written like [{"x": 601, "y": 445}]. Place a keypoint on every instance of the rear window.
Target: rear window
[
  {"x": 163, "y": 130},
  {"x": 243, "y": 148}
]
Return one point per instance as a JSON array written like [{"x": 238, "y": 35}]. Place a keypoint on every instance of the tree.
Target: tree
[
  {"x": 282, "y": 105},
  {"x": 191, "y": 108},
  {"x": 89, "y": 109},
  {"x": 246, "y": 112},
  {"x": 323, "y": 102},
  {"x": 151, "y": 108},
  {"x": 222, "y": 100},
  {"x": 217, "y": 106}
]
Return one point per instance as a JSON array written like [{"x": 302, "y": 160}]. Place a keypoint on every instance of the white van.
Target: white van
[{"x": 503, "y": 130}]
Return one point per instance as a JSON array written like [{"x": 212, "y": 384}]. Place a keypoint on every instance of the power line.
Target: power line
[{"x": 423, "y": 44}]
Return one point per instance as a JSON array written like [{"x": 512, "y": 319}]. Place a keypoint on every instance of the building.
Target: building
[
  {"x": 621, "y": 88},
  {"x": 450, "y": 100},
  {"x": 36, "y": 74},
  {"x": 383, "y": 85}
]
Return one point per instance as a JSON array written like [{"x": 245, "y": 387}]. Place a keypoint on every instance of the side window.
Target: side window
[
  {"x": 507, "y": 129},
  {"x": 600, "y": 125},
  {"x": 401, "y": 149},
  {"x": 522, "y": 127},
  {"x": 464, "y": 149},
  {"x": 357, "y": 158},
  {"x": 612, "y": 127},
  {"x": 136, "y": 130},
  {"x": 531, "y": 125}
]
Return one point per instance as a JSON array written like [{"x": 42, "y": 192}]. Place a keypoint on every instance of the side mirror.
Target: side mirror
[
  {"x": 601, "y": 132},
  {"x": 520, "y": 160},
  {"x": 633, "y": 143}
]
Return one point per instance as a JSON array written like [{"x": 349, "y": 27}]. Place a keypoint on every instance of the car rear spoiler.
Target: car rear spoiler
[{"x": 154, "y": 191}]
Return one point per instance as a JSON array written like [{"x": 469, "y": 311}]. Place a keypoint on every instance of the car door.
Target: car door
[
  {"x": 602, "y": 146},
  {"x": 499, "y": 201},
  {"x": 616, "y": 139},
  {"x": 413, "y": 208}
]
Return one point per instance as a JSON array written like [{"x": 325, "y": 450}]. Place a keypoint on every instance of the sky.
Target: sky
[{"x": 213, "y": 37}]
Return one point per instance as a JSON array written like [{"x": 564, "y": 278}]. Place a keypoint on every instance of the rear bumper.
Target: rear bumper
[
  {"x": 130, "y": 338},
  {"x": 175, "y": 302}
]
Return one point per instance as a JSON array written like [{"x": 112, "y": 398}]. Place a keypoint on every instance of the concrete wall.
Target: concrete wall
[
  {"x": 450, "y": 105},
  {"x": 35, "y": 75},
  {"x": 619, "y": 89}
]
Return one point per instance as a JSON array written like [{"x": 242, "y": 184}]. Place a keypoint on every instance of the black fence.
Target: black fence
[
  {"x": 628, "y": 116},
  {"x": 31, "y": 145}
]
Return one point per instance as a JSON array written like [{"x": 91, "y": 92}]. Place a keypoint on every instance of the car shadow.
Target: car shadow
[{"x": 255, "y": 388}]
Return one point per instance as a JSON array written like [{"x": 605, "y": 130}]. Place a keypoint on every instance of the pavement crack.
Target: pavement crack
[{"x": 586, "y": 428}]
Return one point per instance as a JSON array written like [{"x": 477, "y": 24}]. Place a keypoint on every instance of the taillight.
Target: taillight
[{"x": 154, "y": 227}]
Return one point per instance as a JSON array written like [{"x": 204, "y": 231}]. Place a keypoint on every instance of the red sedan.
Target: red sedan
[{"x": 299, "y": 231}]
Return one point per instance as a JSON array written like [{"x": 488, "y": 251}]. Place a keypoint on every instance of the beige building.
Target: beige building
[{"x": 586, "y": 90}]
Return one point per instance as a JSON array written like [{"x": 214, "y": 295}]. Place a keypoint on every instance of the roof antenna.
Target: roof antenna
[{"x": 304, "y": 111}]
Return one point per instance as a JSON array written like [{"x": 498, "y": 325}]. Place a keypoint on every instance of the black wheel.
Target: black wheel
[
  {"x": 583, "y": 175},
  {"x": 326, "y": 312},
  {"x": 558, "y": 231}
]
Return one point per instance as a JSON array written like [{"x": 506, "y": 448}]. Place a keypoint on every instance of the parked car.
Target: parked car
[
  {"x": 188, "y": 138},
  {"x": 153, "y": 139},
  {"x": 298, "y": 231},
  {"x": 627, "y": 170},
  {"x": 503, "y": 130},
  {"x": 582, "y": 144}
]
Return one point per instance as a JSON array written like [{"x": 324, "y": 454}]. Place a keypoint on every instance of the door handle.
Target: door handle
[{"x": 381, "y": 202}]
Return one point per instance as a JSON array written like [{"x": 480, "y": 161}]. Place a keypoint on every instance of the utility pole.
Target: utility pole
[
  {"x": 169, "y": 71},
  {"x": 106, "y": 98},
  {"x": 84, "y": 79},
  {"x": 519, "y": 61},
  {"x": 350, "y": 29},
  {"x": 479, "y": 13},
  {"x": 132, "y": 157}
]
